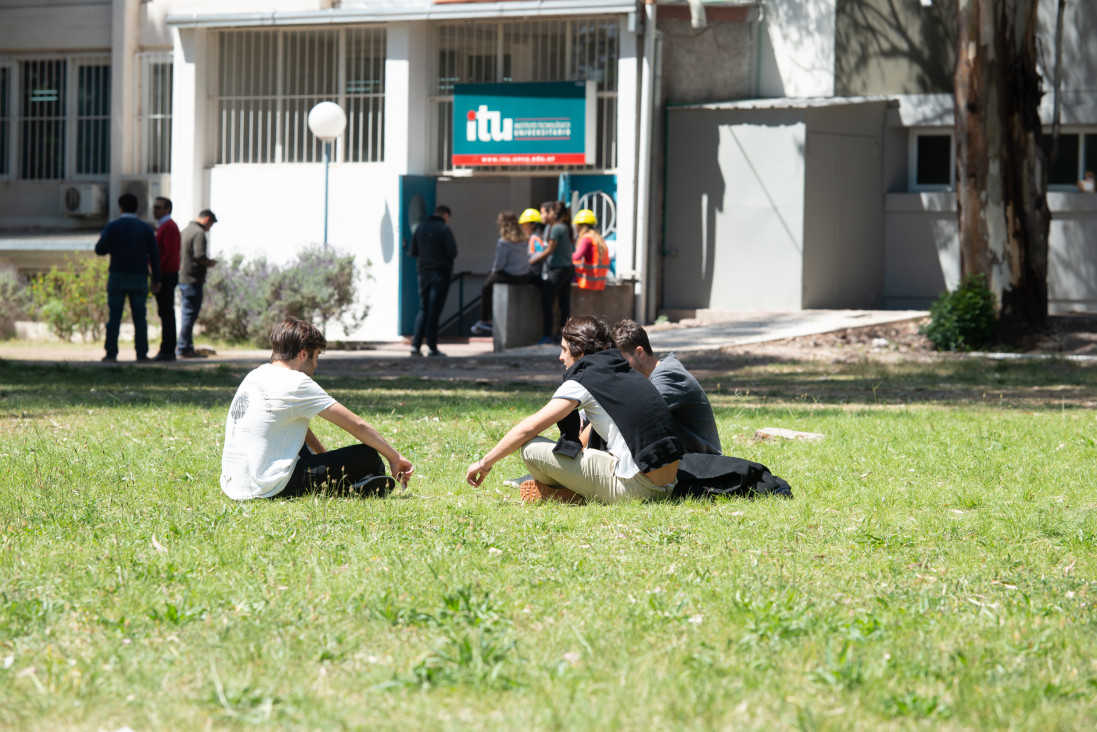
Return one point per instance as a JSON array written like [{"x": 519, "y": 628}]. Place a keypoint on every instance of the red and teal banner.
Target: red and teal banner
[{"x": 545, "y": 123}]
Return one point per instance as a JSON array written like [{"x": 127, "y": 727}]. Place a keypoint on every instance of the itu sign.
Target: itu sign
[{"x": 550, "y": 123}]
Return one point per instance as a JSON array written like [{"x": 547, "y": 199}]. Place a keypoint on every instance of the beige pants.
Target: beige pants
[{"x": 591, "y": 474}]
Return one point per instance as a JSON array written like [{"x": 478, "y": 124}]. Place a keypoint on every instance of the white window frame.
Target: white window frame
[
  {"x": 912, "y": 157},
  {"x": 148, "y": 113},
  {"x": 1080, "y": 132}
]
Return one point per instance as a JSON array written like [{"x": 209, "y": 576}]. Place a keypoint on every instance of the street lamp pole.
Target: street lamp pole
[{"x": 327, "y": 120}]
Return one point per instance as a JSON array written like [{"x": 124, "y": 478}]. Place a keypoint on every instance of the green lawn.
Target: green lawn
[{"x": 935, "y": 570}]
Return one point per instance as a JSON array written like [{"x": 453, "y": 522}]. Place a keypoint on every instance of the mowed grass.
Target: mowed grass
[{"x": 935, "y": 570}]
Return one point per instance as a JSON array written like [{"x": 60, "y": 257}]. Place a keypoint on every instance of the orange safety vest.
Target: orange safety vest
[
  {"x": 536, "y": 244},
  {"x": 592, "y": 275}
]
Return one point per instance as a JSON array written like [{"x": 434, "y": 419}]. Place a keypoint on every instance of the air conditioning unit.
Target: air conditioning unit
[
  {"x": 84, "y": 199},
  {"x": 146, "y": 188}
]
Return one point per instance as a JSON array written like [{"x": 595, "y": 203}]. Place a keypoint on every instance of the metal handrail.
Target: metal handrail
[{"x": 459, "y": 317}]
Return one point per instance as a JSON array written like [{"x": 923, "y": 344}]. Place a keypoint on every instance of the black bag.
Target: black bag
[{"x": 709, "y": 476}]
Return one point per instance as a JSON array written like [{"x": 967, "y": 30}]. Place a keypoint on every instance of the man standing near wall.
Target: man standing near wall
[
  {"x": 434, "y": 247},
  {"x": 684, "y": 397},
  {"x": 131, "y": 244},
  {"x": 167, "y": 241},
  {"x": 194, "y": 261}
]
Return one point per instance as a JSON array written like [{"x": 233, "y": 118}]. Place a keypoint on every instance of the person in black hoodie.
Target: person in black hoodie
[{"x": 624, "y": 409}]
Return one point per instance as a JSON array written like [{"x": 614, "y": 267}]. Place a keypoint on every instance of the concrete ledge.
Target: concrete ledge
[{"x": 516, "y": 310}]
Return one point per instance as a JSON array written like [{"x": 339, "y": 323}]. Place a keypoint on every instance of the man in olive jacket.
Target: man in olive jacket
[{"x": 194, "y": 260}]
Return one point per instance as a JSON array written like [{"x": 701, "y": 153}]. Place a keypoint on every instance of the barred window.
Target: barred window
[
  {"x": 520, "y": 51},
  {"x": 5, "y": 121},
  {"x": 154, "y": 113},
  {"x": 63, "y": 128},
  {"x": 268, "y": 80}
]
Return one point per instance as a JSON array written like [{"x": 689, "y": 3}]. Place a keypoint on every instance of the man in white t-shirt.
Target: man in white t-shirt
[{"x": 270, "y": 450}]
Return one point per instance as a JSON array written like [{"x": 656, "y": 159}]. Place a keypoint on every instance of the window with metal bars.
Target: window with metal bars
[
  {"x": 5, "y": 121},
  {"x": 154, "y": 113},
  {"x": 63, "y": 127},
  {"x": 520, "y": 51},
  {"x": 268, "y": 80}
]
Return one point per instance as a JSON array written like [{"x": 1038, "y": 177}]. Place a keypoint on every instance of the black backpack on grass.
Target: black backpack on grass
[{"x": 711, "y": 476}]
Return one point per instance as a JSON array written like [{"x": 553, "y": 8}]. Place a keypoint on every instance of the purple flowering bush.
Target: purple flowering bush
[{"x": 245, "y": 299}]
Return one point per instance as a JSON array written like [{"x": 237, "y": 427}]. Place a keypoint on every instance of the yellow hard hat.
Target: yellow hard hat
[
  {"x": 586, "y": 216},
  {"x": 530, "y": 216}
]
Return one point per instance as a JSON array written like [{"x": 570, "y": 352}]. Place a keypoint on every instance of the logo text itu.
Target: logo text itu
[{"x": 487, "y": 126}]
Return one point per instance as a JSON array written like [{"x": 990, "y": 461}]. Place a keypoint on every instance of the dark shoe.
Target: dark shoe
[
  {"x": 191, "y": 354},
  {"x": 144, "y": 359},
  {"x": 109, "y": 359},
  {"x": 163, "y": 357},
  {"x": 533, "y": 491},
  {"x": 416, "y": 353},
  {"x": 376, "y": 486},
  {"x": 435, "y": 353}
]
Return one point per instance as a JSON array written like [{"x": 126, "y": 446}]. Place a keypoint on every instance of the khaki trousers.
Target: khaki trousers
[{"x": 591, "y": 474}]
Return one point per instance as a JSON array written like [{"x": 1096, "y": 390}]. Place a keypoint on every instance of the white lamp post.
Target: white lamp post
[{"x": 327, "y": 120}]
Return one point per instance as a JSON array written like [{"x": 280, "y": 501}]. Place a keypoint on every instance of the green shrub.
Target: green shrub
[
  {"x": 963, "y": 319},
  {"x": 14, "y": 299},
  {"x": 246, "y": 299},
  {"x": 72, "y": 299}
]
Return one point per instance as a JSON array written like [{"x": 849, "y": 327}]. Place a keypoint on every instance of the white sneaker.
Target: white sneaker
[{"x": 481, "y": 328}]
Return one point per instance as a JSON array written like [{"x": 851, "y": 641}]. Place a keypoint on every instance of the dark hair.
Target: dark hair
[
  {"x": 628, "y": 335},
  {"x": 165, "y": 201},
  {"x": 207, "y": 214},
  {"x": 560, "y": 214},
  {"x": 293, "y": 335},
  {"x": 128, "y": 203},
  {"x": 586, "y": 334},
  {"x": 441, "y": 210}
]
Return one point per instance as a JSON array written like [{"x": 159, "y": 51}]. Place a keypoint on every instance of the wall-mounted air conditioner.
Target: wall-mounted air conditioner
[
  {"x": 83, "y": 199},
  {"x": 146, "y": 188}
]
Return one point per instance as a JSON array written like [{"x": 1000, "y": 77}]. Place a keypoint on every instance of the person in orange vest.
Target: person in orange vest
[{"x": 591, "y": 257}]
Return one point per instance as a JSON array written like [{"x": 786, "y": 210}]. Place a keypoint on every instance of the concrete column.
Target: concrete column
[
  {"x": 407, "y": 111},
  {"x": 123, "y": 105},
  {"x": 190, "y": 123},
  {"x": 628, "y": 111}
]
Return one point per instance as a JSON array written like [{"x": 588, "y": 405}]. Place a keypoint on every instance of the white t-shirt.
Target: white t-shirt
[
  {"x": 603, "y": 425},
  {"x": 265, "y": 430}
]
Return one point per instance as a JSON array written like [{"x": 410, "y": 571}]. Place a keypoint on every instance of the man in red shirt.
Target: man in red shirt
[{"x": 167, "y": 241}]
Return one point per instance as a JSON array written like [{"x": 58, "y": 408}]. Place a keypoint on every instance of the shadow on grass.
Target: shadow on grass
[{"x": 743, "y": 380}]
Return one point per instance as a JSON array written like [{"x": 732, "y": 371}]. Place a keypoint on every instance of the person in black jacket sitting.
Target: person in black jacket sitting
[{"x": 642, "y": 446}]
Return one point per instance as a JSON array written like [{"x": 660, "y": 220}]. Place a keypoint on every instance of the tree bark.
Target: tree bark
[{"x": 1001, "y": 165}]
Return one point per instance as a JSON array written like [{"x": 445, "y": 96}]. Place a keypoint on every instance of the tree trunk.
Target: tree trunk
[{"x": 1001, "y": 166}]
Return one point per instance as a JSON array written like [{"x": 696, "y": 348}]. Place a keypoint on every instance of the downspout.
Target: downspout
[{"x": 640, "y": 246}]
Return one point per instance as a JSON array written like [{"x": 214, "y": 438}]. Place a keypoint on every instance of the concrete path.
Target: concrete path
[{"x": 709, "y": 331}]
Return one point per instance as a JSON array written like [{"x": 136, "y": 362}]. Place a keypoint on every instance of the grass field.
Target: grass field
[{"x": 935, "y": 570}]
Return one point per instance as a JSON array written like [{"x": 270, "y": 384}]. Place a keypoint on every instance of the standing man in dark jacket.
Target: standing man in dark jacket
[
  {"x": 131, "y": 244},
  {"x": 435, "y": 248},
  {"x": 167, "y": 241},
  {"x": 193, "y": 263}
]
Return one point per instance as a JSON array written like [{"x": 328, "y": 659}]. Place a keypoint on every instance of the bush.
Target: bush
[
  {"x": 963, "y": 319},
  {"x": 14, "y": 299},
  {"x": 244, "y": 300},
  {"x": 72, "y": 299}
]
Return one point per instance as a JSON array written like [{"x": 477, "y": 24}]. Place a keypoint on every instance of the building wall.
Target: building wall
[
  {"x": 888, "y": 47},
  {"x": 734, "y": 209},
  {"x": 796, "y": 51},
  {"x": 54, "y": 25},
  {"x": 709, "y": 65},
  {"x": 843, "y": 257}
]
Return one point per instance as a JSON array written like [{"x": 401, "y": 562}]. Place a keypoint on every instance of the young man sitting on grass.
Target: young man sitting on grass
[
  {"x": 270, "y": 450},
  {"x": 642, "y": 450}
]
